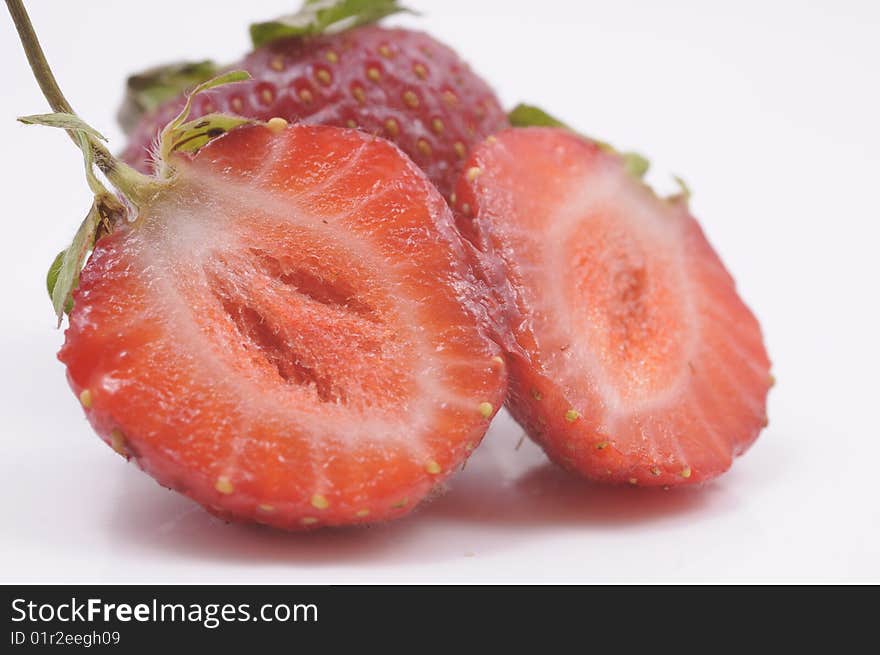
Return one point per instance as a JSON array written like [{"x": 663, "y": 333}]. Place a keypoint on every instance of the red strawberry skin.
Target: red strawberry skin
[
  {"x": 399, "y": 84},
  {"x": 288, "y": 334},
  {"x": 634, "y": 360}
]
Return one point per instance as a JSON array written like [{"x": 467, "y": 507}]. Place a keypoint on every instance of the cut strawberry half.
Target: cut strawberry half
[
  {"x": 288, "y": 333},
  {"x": 634, "y": 359}
]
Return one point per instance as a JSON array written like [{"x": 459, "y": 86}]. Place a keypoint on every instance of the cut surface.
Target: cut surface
[
  {"x": 288, "y": 334},
  {"x": 634, "y": 359}
]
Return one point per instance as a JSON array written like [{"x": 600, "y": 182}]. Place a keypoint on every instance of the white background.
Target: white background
[{"x": 769, "y": 109}]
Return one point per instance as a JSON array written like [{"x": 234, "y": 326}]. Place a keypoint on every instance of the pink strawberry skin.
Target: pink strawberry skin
[{"x": 398, "y": 84}]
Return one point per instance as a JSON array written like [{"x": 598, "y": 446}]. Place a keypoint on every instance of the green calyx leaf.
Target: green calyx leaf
[
  {"x": 524, "y": 115},
  {"x": 530, "y": 116},
  {"x": 135, "y": 186},
  {"x": 192, "y": 135},
  {"x": 83, "y": 133},
  {"x": 635, "y": 164},
  {"x": 63, "y": 275},
  {"x": 684, "y": 191},
  {"x": 181, "y": 135},
  {"x": 106, "y": 210},
  {"x": 324, "y": 17},
  {"x": 148, "y": 90},
  {"x": 220, "y": 80},
  {"x": 70, "y": 122},
  {"x": 52, "y": 279}
]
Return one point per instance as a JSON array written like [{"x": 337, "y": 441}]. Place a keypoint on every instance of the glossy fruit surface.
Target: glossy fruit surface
[
  {"x": 634, "y": 358},
  {"x": 400, "y": 84},
  {"x": 288, "y": 333}
]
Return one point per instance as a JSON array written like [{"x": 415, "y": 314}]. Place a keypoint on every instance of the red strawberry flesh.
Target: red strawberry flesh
[
  {"x": 634, "y": 360},
  {"x": 288, "y": 333}
]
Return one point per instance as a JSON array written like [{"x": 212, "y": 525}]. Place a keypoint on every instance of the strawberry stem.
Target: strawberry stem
[
  {"x": 37, "y": 59},
  {"x": 135, "y": 186}
]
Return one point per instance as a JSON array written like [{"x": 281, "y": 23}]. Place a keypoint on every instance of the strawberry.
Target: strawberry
[
  {"x": 400, "y": 84},
  {"x": 634, "y": 359},
  {"x": 287, "y": 334},
  {"x": 280, "y": 323}
]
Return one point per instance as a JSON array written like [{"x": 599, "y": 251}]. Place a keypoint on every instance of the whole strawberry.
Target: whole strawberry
[{"x": 399, "y": 84}]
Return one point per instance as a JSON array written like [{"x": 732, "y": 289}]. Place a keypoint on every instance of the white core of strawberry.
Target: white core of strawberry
[
  {"x": 364, "y": 371},
  {"x": 612, "y": 233}
]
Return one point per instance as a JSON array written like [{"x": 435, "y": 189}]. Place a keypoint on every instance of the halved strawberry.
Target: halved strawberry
[
  {"x": 634, "y": 360},
  {"x": 399, "y": 84},
  {"x": 288, "y": 332}
]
